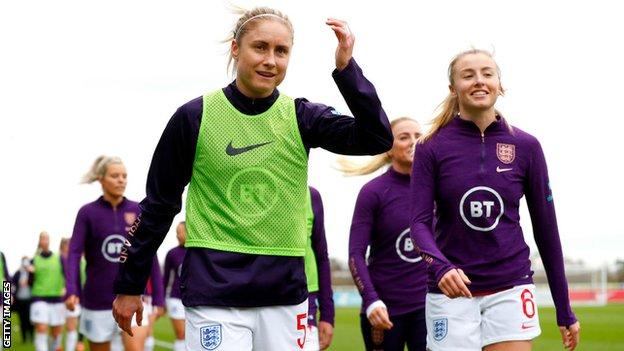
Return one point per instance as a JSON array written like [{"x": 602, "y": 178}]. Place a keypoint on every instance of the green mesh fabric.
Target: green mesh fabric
[
  {"x": 48, "y": 280},
  {"x": 1, "y": 267},
  {"x": 311, "y": 270},
  {"x": 248, "y": 188}
]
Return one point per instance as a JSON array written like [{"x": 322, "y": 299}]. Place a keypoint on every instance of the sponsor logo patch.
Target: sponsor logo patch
[
  {"x": 406, "y": 249},
  {"x": 111, "y": 247},
  {"x": 481, "y": 208},
  {"x": 506, "y": 153},
  {"x": 233, "y": 151},
  {"x": 210, "y": 336}
]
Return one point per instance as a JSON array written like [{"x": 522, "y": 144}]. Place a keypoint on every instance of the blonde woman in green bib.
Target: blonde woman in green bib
[{"x": 243, "y": 150}]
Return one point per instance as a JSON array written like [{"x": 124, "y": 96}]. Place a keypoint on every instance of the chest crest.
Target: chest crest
[{"x": 506, "y": 153}]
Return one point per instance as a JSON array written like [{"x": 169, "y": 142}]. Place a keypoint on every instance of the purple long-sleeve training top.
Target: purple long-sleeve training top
[
  {"x": 99, "y": 232},
  {"x": 155, "y": 289},
  {"x": 476, "y": 181},
  {"x": 395, "y": 272},
  {"x": 220, "y": 278},
  {"x": 324, "y": 295},
  {"x": 173, "y": 267}
]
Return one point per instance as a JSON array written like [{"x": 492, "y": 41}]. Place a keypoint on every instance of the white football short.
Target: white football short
[
  {"x": 463, "y": 324},
  {"x": 100, "y": 326},
  {"x": 312, "y": 339},
  {"x": 245, "y": 329},
  {"x": 49, "y": 313},
  {"x": 175, "y": 308},
  {"x": 75, "y": 313}
]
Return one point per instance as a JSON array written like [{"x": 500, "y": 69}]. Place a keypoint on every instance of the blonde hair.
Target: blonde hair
[
  {"x": 99, "y": 168},
  {"x": 350, "y": 168},
  {"x": 64, "y": 241},
  {"x": 450, "y": 106},
  {"x": 246, "y": 22}
]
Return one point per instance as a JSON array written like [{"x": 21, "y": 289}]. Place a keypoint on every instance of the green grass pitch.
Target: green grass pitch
[{"x": 602, "y": 328}]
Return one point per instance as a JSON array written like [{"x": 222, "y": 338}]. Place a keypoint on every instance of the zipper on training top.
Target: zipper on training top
[{"x": 482, "y": 166}]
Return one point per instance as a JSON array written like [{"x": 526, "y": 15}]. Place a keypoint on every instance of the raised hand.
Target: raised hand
[{"x": 346, "y": 40}]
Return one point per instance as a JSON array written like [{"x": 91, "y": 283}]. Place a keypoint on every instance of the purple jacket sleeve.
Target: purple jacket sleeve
[
  {"x": 422, "y": 210},
  {"x": 368, "y": 133},
  {"x": 169, "y": 172},
  {"x": 542, "y": 210},
  {"x": 359, "y": 240},
  {"x": 158, "y": 294},
  {"x": 167, "y": 272},
  {"x": 319, "y": 245},
  {"x": 76, "y": 248}
]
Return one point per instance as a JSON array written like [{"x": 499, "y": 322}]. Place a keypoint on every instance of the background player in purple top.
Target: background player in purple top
[
  {"x": 320, "y": 291},
  {"x": 264, "y": 294},
  {"x": 99, "y": 233},
  {"x": 392, "y": 280},
  {"x": 171, "y": 283},
  {"x": 476, "y": 168}
]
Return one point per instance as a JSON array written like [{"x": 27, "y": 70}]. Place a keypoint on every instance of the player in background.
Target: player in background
[
  {"x": 22, "y": 293},
  {"x": 155, "y": 299},
  {"x": 99, "y": 233},
  {"x": 318, "y": 275},
  {"x": 476, "y": 167},
  {"x": 392, "y": 279},
  {"x": 72, "y": 341},
  {"x": 244, "y": 150},
  {"x": 46, "y": 309},
  {"x": 171, "y": 284}
]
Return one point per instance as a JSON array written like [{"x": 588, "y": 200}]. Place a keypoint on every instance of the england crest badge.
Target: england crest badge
[
  {"x": 506, "y": 153},
  {"x": 210, "y": 336},
  {"x": 440, "y": 328}
]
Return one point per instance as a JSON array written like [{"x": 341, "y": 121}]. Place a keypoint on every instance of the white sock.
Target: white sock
[
  {"x": 116, "y": 344},
  {"x": 178, "y": 345},
  {"x": 149, "y": 343},
  {"x": 56, "y": 342},
  {"x": 71, "y": 339},
  {"x": 41, "y": 342}
]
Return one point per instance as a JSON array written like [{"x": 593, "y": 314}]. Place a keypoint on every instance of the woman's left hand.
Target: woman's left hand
[
  {"x": 346, "y": 40},
  {"x": 570, "y": 335}
]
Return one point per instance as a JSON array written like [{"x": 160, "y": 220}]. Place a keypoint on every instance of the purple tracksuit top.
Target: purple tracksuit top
[
  {"x": 324, "y": 295},
  {"x": 173, "y": 267},
  {"x": 99, "y": 232},
  {"x": 394, "y": 273},
  {"x": 476, "y": 182}
]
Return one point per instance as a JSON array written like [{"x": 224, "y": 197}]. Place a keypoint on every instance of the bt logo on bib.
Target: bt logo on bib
[{"x": 481, "y": 208}]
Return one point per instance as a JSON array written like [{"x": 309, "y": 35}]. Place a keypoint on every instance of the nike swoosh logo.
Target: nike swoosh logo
[
  {"x": 233, "y": 151},
  {"x": 524, "y": 326},
  {"x": 500, "y": 170}
]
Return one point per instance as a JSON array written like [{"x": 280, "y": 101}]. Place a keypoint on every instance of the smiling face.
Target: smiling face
[
  {"x": 405, "y": 134},
  {"x": 262, "y": 56},
  {"x": 475, "y": 81}
]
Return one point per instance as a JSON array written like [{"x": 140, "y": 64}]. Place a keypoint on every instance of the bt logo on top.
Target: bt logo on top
[
  {"x": 111, "y": 247},
  {"x": 481, "y": 208}
]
